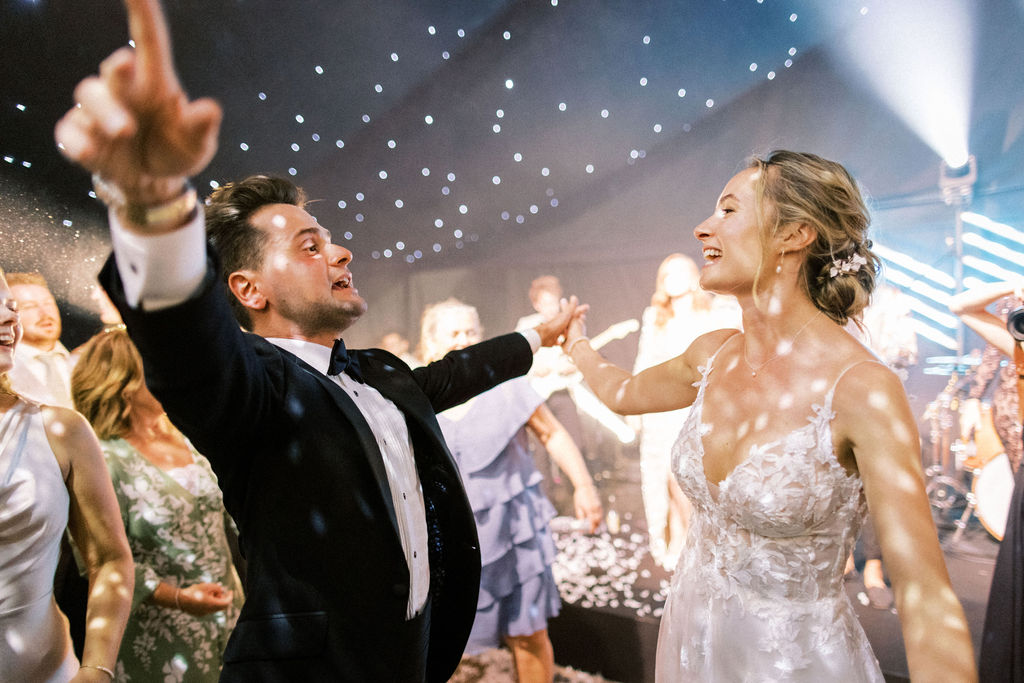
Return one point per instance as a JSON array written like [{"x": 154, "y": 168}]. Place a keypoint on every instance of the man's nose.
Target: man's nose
[{"x": 340, "y": 256}]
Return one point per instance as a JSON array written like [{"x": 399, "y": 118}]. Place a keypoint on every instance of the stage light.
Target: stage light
[
  {"x": 990, "y": 269},
  {"x": 929, "y": 332},
  {"x": 920, "y": 63},
  {"x": 957, "y": 159},
  {"x": 909, "y": 283},
  {"x": 989, "y": 225},
  {"x": 915, "y": 266},
  {"x": 994, "y": 248},
  {"x": 943, "y": 318},
  {"x": 957, "y": 183}
]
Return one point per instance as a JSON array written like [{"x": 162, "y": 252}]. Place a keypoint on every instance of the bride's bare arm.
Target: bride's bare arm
[
  {"x": 668, "y": 386},
  {"x": 874, "y": 418}
]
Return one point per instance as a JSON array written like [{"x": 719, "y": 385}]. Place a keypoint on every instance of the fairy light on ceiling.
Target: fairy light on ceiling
[
  {"x": 528, "y": 106},
  {"x": 449, "y": 127}
]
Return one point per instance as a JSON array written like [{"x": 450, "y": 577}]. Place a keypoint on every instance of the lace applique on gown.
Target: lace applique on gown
[{"x": 757, "y": 595}]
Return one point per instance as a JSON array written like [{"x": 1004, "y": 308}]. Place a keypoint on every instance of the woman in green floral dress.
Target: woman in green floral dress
[{"x": 187, "y": 593}]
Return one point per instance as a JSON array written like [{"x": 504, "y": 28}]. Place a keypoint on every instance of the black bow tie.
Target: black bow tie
[{"x": 341, "y": 361}]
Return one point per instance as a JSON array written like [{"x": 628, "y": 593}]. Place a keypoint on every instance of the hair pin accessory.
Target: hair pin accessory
[{"x": 844, "y": 266}]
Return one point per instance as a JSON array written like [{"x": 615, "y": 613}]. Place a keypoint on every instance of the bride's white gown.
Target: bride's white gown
[{"x": 758, "y": 593}]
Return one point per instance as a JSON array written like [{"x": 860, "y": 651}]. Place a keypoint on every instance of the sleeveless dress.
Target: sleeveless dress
[
  {"x": 174, "y": 520},
  {"x": 34, "y": 641},
  {"x": 758, "y": 595},
  {"x": 518, "y": 593}
]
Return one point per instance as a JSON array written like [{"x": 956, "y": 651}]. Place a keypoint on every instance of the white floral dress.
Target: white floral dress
[
  {"x": 758, "y": 593},
  {"x": 176, "y": 536}
]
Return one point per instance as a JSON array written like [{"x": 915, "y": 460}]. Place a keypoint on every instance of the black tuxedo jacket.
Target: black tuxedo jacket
[{"x": 327, "y": 582}]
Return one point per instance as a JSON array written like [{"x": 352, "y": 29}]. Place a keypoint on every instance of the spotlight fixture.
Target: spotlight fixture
[{"x": 957, "y": 183}]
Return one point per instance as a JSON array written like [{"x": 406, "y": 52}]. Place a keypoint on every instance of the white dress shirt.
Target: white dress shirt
[
  {"x": 389, "y": 429},
  {"x": 163, "y": 270},
  {"x": 42, "y": 376}
]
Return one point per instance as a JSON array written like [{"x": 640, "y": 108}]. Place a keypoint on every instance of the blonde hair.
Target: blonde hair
[
  {"x": 107, "y": 374},
  {"x": 32, "y": 278},
  {"x": 661, "y": 302},
  {"x": 795, "y": 187},
  {"x": 428, "y": 325}
]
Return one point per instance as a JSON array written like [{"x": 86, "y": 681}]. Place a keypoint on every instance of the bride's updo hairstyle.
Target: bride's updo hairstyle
[{"x": 839, "y": 270}]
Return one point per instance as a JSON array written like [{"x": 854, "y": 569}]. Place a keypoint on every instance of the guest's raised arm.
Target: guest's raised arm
[{"x": 136, "y": 130}]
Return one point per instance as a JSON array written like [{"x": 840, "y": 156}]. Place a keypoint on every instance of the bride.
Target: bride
[{"x": 795, "y": 430}]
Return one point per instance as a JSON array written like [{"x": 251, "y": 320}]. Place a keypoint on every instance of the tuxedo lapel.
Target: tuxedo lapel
[
  {"x": 367, "y": 441},
  {"x": 413, "y": 406}
]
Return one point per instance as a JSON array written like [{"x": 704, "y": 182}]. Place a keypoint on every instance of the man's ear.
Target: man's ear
[
  {"x": 794, "y": 237},
  {"x": 245, "y": 286}
]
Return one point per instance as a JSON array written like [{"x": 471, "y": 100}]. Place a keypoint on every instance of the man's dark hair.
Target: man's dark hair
[{"x": 239, "y": 244}]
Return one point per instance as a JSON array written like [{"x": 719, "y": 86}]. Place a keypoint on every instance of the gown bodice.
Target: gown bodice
[{"x": 758, "y": 593}]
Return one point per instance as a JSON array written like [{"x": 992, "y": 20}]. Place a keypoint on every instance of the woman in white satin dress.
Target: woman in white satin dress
[
  {"x": 795, "y": 430},
  {"x": 52, "y": 477}
]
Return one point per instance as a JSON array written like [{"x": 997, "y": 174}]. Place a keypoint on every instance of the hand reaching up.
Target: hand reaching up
[{"x": 132, "y": 124}]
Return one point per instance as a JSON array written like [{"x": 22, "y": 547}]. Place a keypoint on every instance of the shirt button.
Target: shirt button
[
  {"x": 414, "y": 554},
  {"x": 355, "y": 393},
  {"x": 403, "y": 495}
]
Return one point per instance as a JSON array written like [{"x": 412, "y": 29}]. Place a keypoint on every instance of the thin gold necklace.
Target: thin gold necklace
[{"x": 787, "y": 347}]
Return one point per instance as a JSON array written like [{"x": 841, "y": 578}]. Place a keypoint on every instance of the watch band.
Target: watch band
[{"x": 176, "y": 211}]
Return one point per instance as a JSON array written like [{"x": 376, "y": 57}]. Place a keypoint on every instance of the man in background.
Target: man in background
[{"x": 42, "y": 365}]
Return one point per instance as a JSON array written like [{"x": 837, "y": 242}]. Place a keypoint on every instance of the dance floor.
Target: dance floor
[{"x": 613, "y": 593}]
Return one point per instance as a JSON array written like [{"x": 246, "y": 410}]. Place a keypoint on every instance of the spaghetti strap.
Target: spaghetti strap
[
  {"x": 721, "y": 346},
  {"x": 832, "y": 391}
]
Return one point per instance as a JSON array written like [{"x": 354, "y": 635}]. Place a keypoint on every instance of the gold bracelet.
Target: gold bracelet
[
  {"x": 101, "y": 668},
  {"x": 175, "y": 212},
  {"x": 572, "y": 346}
]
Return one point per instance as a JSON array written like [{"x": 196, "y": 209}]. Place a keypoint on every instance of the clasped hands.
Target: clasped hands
[{"x": 566, "y": 326}]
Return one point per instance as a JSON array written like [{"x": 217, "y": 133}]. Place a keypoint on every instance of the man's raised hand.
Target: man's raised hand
[{"x": 132, "y": 124}]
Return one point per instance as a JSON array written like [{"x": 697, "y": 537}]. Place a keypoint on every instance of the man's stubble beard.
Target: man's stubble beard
[{"x": 318, "y": 318}]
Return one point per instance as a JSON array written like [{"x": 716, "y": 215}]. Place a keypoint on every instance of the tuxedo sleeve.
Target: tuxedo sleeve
[
  {"x": 218, "y": 387},
  {"x": 460, "y": 375}
]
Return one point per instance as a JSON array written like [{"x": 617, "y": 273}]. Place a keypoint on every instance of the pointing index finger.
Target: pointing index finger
[{"x": 148, "y": 29}]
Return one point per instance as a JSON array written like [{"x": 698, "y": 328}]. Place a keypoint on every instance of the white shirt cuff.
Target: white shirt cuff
[
  {"x": 532, "y": 336},
  {"x": 159, "y": 271}
]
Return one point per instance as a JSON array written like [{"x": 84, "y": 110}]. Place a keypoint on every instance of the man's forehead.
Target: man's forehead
[
  {"x": 30, "y": 291},
  {"x": 286, "y": 221}
]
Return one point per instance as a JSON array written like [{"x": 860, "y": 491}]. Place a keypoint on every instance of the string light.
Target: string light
[{"x": 425, "y": 102}]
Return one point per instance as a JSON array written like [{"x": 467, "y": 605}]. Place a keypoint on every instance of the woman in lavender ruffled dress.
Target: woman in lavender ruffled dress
[{"x": 488, "y": 437}]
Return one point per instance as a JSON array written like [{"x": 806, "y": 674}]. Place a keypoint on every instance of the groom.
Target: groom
[{"x": 362, "y": 556}]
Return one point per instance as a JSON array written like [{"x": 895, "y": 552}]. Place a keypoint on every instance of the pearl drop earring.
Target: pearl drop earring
[{"x": 778, "y": 266}]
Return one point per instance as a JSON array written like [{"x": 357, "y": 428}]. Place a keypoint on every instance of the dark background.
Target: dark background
[{"x": 298, "y": 82}]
